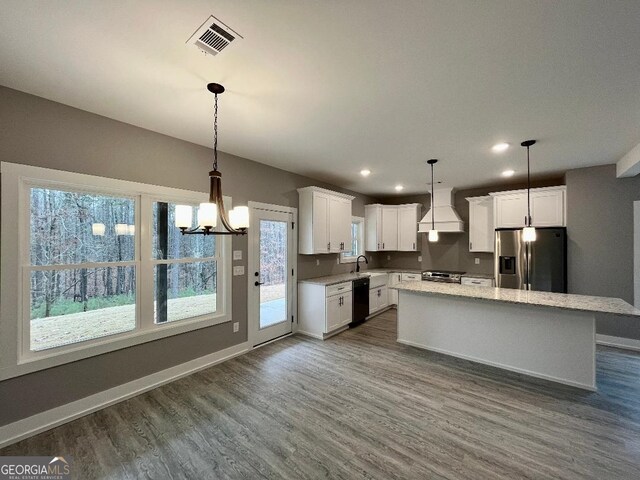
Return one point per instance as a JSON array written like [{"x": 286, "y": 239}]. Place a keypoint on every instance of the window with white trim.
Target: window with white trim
[
  {"x": 102, "y": 267},
  {"x": 357, "y": 241}
]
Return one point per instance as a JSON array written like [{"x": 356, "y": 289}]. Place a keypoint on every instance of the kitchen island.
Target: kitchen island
[{"x": 542, "y": 334}]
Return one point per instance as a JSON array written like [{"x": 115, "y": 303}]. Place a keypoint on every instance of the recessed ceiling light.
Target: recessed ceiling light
[
  {"x": 365, "y": 172},
  {"x": 399, "y": 188},
  {"x": 500, "y": 147},
  {"x": 508, "y": 173}
]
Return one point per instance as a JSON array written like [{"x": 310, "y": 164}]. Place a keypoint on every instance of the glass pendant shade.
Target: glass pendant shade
[
  {"x": 529, "y": 234},
  {"x": 184, "y": 216},
  {"x": 433, "y": 235},
  {"x": 239, "y": 217},
  {"x": 208, "y": 215},
  {"x": 98, "y": 229}
]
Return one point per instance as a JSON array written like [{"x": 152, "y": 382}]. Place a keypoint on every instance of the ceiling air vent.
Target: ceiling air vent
[{"x": 213, "y": 36}]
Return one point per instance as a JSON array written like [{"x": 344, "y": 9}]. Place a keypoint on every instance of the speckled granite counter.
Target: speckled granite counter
[
  {"x": 348, "y": 277},
  {"x": 333, "y": 279},
  {"x": 583, "y": 303}
]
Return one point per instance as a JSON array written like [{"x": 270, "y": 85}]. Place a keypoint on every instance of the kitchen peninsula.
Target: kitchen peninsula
[{"x": 542, "y": 334}]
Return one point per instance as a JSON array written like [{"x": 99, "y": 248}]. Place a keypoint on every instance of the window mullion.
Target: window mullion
[{"x": 146, "y": 283}]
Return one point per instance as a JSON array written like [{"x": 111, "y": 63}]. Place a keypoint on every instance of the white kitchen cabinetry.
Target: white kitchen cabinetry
[
  {"x": 411, "y": 277},
  {"x": 477, "y": 282},
  {"x": 324, "y": 310},
  {"x": 408, "y": 218},
  {"x": 394, "y": 279},
  {"x": 548, "y": 207},
  {"x": 378, "y": 292},
  {"x": 481, "y": 229},
  {"x": 325, "y": 221},
  {"x": 378, "y": 299},
  {"x": 391, "y": 227}
]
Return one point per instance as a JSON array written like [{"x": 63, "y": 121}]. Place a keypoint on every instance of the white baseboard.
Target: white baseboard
[
  {"x": 619, "y": 342},
  {"x": 40, "y": 422},
  {"x": 522, "y": 371}
]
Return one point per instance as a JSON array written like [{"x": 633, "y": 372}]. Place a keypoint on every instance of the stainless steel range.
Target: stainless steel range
[{"x": 442, "y": 276}]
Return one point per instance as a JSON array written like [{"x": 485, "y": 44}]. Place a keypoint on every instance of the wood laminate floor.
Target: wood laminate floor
[{"x": 359, "y": 405}]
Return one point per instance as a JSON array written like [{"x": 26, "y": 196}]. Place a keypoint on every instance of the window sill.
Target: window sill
[{"x": 34, "y": 361}]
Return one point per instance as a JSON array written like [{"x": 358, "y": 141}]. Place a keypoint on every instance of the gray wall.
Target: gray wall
[
  {"x": 35, "y": 131},
  {"x": 600, "y": 233}
]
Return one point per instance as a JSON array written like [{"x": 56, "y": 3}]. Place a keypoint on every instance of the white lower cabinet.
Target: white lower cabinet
[
  {"x": 477, "y": 282},
  {"x": 339, "y": 311},
  {"x": 324, "y": 310},
  {"x": 378, "y": 299},
  {"x": 411, "y": 277},
  {"x": 394, "y": 279}
]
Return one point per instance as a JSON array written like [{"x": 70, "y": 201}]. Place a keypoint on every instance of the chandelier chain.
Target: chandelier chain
[{"x": 215, "y": 133}]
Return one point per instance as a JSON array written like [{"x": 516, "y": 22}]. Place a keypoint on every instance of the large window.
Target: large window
[
  {"x": 185, "y": 276},
  {"x": 82, "y": 272},
  {"x": 357, "y": 241},
  {"x": 102, "y": 267}
]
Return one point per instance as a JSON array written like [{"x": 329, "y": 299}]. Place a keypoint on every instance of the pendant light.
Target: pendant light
[
  {"x": 528, "y": 232},
  {"x": 433, "y": 233},
  {"x": 238, "y": 220}
]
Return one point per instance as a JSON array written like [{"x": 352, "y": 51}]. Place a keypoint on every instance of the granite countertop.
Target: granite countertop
[
  {"x": 348, "y": 277},
  {"x": 583, "y": 303},
  {"x": 394, "y": 270},
  {"x": 478, "y": 275},
  {"x": 333, "y": 279}
]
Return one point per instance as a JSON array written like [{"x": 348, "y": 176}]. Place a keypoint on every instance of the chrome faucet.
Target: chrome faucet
[{"x": 358, "y": 262}]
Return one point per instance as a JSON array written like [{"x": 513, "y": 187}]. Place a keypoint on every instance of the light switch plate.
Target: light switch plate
[
  {"x": 477, "y": 261},
  {"x": 419, "y": 258},
  {"x": 388, "y": 257},
  {"x": 236, "y": 327},
  {"x": 338, "y": 260},
  {"x": 239, "y": 270},
  {"x": 317, "y": 262},
  {"x": 237, "y": 254}
]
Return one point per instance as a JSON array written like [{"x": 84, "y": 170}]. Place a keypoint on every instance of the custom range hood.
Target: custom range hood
[{"x": 446, "y": 217}]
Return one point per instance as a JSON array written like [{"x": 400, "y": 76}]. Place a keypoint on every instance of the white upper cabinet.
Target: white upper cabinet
[
  {"x": 408, "y": 217},
  {"x": 325, "y": 221},
  {"x": 481, "y": 230},
  {"x": 391, "y": 227},
  {"x": 548, "y": 207},
  {"x": 339, "y": 222}
]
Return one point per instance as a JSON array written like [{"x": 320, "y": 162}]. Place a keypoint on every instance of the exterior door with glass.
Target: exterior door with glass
[{"x": 271, "y": 279}]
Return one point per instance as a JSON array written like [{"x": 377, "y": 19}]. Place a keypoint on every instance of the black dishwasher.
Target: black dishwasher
[{"x": 360, "y": 300}]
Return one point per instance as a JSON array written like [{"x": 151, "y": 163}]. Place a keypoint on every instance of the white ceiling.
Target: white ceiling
[{"x": 325, "y": 88}]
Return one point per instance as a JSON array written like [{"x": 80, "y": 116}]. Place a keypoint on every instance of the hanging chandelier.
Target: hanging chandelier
[
  {"x": 207, "y": 216},
  {"x": 433, "y": 233},
  {"x": 528, "y": 232}
]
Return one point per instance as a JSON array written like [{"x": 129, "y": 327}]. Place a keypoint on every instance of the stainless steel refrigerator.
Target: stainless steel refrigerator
[{"x": 539, "y": 265}]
